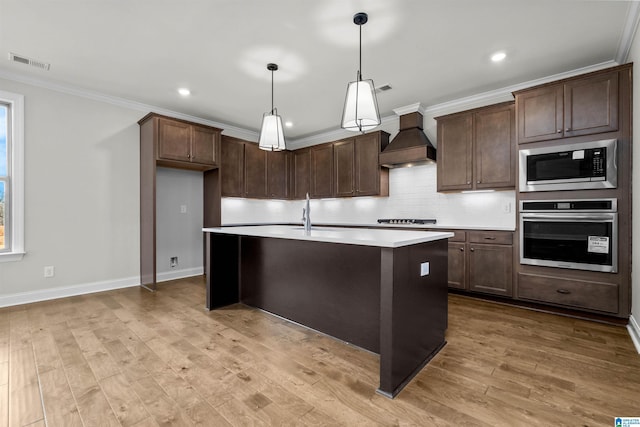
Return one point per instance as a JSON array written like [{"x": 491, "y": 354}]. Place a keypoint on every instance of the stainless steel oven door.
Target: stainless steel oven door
[{"x": 581, "y": 241}]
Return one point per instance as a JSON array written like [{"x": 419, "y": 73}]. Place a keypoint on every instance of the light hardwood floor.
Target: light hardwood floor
[{"x": 134, "y": 358}]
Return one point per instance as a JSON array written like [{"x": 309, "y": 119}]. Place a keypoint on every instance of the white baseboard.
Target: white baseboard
[
  {"x": 67, "y": 291},
  {"x": 179, "y": 274},
  {"x": 89, "y": 288},
  {"x": 634, "y": 331}
]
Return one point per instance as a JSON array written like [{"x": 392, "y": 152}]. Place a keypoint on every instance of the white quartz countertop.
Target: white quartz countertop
[{"x": 352, "y": 236}]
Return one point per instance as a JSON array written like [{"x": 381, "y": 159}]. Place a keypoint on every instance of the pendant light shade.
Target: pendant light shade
[
  {"x": 271, "y": 132},
  {"x": 360, "y": 112}
]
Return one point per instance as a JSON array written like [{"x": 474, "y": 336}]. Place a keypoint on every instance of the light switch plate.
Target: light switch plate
[{"x": 424, "y": 269}]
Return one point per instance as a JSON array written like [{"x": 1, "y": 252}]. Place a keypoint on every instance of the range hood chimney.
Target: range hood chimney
[{"x": 411, "y": 146}]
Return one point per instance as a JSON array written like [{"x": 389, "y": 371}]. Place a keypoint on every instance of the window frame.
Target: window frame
[{"x": 14, "y": 189}]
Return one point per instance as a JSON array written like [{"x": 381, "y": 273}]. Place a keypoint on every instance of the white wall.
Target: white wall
[
  {"x": 82, "y": 195},
  {"x": 178, "y": 234},
  {"x": 634, "y": 56}
]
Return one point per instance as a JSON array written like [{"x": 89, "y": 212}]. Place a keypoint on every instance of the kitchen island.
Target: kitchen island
[{"x": 382, "y": 290}]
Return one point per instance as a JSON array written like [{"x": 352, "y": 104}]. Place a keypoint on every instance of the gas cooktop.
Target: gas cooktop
[{"x": 406, "y": 221}]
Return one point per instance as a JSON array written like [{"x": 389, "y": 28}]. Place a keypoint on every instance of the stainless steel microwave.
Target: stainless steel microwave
[{"x": 584, "y": 165}]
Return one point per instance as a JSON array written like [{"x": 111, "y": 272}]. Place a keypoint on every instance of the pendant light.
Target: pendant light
[
  {"x": 271, "y": 133},
  {"x": 360, "y": 105}
]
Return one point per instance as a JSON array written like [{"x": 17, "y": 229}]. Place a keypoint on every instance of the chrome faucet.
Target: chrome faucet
[{"x": 306, "y": 216}]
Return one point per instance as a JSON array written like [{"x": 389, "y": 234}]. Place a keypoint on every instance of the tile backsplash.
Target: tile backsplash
[{"x": 412, "y": 194}]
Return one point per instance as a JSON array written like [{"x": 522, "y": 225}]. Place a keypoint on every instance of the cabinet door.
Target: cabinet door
[
  {"x": 232, "y": 167},
  {"x": 322, "y": 171},
  {"x": 204, "y": 145},
  {"x": 277, "y": 171},
  {"x": 494, "y": 154},
  {"x": 343, "y": 167},
  {"x": 591, "y": 105},
  {"x": 301, "y": 173},
  {"x": 174, "y": 140},
  {"x": 255, "y": 171},
  {"x": 454, "y": 168},
  {"x": 368, "y": 170},
  {"x": 540, "y": 114},
  {"x": 457, "y": 266},
  {"x": 491, "y": 269}
]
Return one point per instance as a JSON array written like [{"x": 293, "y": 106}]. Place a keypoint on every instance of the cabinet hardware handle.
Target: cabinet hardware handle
[
  {"x": 478, "y": 182},
  {"x": 461, "y": 249},
  {"x": 490, "y": 238},
  {"x": 468, "y": 182},
  {"x": 567, "y": 129},
  {"x": 563, "y": 291},
  {"x": 559, "y": 131},
  {"x": 472, "y": 250}
]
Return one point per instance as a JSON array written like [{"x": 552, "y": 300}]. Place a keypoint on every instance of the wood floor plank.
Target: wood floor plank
[
  {"x": 123, "y": 400},
  {"x": 25, "y": 405},
  {"x": 59, "y": 403},
  {"x": 4, "y": 405}
]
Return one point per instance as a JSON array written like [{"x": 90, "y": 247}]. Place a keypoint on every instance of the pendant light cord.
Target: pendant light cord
[
  {"x": 272, "y": 91},
  {"x": 360, "y": 50}
]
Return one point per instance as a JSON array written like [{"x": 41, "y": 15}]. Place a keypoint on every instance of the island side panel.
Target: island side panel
[
  {"x": 414, "y": 308},
  {"x": 222, "y": 269},
  {"x": 330, "y": 287}
]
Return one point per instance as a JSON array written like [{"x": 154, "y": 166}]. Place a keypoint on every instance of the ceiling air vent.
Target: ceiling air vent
[
  {"x": 28, "y": 61},
  {"x": 383, "y": 88}
]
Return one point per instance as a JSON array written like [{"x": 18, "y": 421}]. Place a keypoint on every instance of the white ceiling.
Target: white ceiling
[{"x": 429, "y": 51}]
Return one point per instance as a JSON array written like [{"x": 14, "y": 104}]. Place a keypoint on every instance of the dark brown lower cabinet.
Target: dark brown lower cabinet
[
  {"x": 491, "y": 269},
  {"x": 481, "y": 261},
  {"x": 457, "y": 265},
  {"x": 568, "y": 292}
]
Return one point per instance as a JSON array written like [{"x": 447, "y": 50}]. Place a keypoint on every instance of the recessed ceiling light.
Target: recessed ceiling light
[
  {"x": 288, "y": 124},
  {"x": 184, "y": 91},
  {"x": 499, "y": 56}
]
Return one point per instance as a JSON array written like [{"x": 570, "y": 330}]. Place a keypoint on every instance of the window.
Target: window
[{"x": 11, "y": 177}]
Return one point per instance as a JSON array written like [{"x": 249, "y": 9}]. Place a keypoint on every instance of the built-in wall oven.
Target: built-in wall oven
[
  {"x": 578, "y": 234},
  {"x": 578, "y": 166}
]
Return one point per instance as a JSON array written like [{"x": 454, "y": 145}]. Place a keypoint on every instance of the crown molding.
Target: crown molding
[
  {"x": 506, "y": 93},
  {"x": 126, "y": 103},
  {"x": 628, "y": 32},
  {"x": 331, "y": 135},
  {"x": 417, "y": 107}
]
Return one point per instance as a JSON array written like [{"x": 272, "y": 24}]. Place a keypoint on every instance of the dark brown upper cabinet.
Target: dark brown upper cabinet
[
  {"x": 301, "y": 175},
  {"x": 578, "y": 106},
  {"x": 357, "y": 166},
  {"x": 344, "y": 167},
  {"x": 321, "y": 171},
  {"x": 476, "y": 149},
  {"x": 187, "y": 145},
  {"x": 232, "y": 167},
  {"x": 247, "y": 171},
  {"x": 278, "y": 174},
  {"x": 255, "y": 171}
]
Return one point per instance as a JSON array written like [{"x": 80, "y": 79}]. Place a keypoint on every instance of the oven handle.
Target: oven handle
[{"x": 570, "y": 217}]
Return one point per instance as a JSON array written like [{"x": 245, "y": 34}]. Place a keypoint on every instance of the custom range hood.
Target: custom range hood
[{"x": 411, "y": 146}]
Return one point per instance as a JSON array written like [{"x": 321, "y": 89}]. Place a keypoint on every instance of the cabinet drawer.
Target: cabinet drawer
[
  {"x": 491, "y": 237},
  {"x": 459, "y": 236},
  {"x": 571, "y": 293}
]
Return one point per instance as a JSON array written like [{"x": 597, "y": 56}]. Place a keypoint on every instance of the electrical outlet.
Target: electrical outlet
[
  {"x": 183, "y": 208},
  {"x": 49, "y": 271},
  {"x": 507, "y": 207},
  {"x": 173, "y": 261},
  {"x": 424, "y": 269}
]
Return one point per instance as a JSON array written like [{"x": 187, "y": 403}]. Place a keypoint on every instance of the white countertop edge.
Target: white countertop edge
[
  {"x": 351, "y": 236},
  {"x": 378, "y": 225}
]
